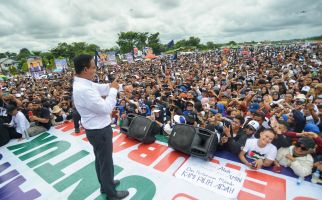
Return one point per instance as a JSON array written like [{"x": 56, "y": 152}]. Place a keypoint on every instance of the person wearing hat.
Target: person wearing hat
[
  {"x": 19, "y": 123},
  {"x": 177, "y": 119},
  {"x": 298, "y": 157},
  {"x": 190, "y": 114},
  {"x": 58, "y": 116}
]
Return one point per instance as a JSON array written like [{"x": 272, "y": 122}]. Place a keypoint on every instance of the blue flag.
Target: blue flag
[
  {"x": 170, "y": 44},
  {"x": 96, "y": 55},
  {"x": 174, "y": 56}
]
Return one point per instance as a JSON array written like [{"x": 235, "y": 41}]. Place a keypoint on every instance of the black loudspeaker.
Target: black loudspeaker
[
  {"x": 194, "y": 141},
  {"x": 181, "y": 138},
  {"x": 143, "y": 129},
  {"x": 126, "y": 123},
  {"x": 204, "y": 144}
]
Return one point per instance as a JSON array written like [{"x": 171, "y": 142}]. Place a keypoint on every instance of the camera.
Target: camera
[
  {"x": 273, "y": 105},
  {"x": 226, "y": 123}
]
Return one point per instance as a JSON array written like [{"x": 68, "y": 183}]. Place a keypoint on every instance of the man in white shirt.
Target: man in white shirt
[
  {"x": 95, "y": 113},
  {"x": 19, "y": 122}
]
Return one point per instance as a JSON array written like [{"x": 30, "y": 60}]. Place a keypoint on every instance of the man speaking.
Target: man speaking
[{"x": 95, "y": 114}]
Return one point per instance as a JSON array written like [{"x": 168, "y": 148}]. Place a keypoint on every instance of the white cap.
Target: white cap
[
  {"x": 18, "y": 95},
  {"x": 300, "y": 96},
  {"x": 305, "y": 88},
  {"x": 179, "y": 119},
  {"x": 254, "y": 124}
]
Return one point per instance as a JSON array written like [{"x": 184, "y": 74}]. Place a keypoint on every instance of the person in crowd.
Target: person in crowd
[
  {"x": 40, "y": 117},
  {"x": 298, "y": 157},
  {"x": 19, "y": 123},
  {"x": 58, "y": 116},
  {"x": 234, "y": 136},
  {"x": 258, "y": 153}
]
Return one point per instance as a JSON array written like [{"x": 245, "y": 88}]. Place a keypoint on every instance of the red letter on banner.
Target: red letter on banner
[
  {"x": 123, "y": 142},
  {"x": 147, "y": 153},
  {"x": 65, "y": 126},
  {"x": 169, "y": 159},
  {"x": 274, "y": 189},
  {"x": 185, "y": 196}
]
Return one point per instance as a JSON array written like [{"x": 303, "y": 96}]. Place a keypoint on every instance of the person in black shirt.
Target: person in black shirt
[{"x": 40, "y": 117}]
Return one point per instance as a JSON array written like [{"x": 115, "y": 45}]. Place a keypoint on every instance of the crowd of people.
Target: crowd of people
[{"x": 265, "y": 102}]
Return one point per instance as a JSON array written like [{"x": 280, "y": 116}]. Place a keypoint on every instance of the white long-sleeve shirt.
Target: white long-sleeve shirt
[
  {"x": 95, "y": 111},
  {"x": 302, "y": 166},
  {"x": 20, "y": 123}
]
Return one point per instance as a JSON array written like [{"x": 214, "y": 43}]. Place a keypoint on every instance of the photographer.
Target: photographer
[{"x": 232, "y": 138}]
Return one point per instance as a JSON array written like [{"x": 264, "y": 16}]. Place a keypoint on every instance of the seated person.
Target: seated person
[
  {"x": 58, "y": 116},
  {"x": 19, "y": 123},
  {"x": 259, "y": 152},
  {"x": 67, "y": 109},
  {"x": 214, "y": 123},
  {"x": 40, "y": 117},
  {"x": 157, "y": 115},
  {"x": 297, "y": 157},
  {"x": 144, "y": 110},
  {"x": 190, "y": 114},
  {"x": 176, "y": 118}
]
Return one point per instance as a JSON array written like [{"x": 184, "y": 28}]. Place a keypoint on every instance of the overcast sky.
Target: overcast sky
[{"x": 41, "y": 24}]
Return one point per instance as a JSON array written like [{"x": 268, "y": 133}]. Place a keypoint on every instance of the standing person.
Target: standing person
[{"x": 95, "y": 113}]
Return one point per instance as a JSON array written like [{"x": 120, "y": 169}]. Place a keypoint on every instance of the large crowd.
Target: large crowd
[{"x": 265, "y": 102}]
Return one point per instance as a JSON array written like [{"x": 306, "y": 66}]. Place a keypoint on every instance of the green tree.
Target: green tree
[
  {"x": 24, "y": 67},
  {"x": 128, "y": 40},
  {"x": 12, "y": 70},
  {"x": 193, "y": 41},
  {"x": 24, "y": 53},
  {"x": 180, "y": 43},
  {"x": 154, "y": 43},
  {"x": 232, "y": 43},
  {"x": 211, "y": 45}
]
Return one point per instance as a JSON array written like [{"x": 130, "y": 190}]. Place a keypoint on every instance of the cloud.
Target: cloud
[{"x": 42, "y": 24}]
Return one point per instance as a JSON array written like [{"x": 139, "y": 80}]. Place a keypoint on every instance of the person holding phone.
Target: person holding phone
[
  {"x": 233, "y": 132},
  {"x": 258, "y": 153}
]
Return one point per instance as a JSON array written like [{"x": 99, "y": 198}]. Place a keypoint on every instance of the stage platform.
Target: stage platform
[{"x": 59, "y": 164}]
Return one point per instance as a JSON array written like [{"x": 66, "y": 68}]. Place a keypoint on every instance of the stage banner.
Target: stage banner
[
  {"x": 60, "y": 64},
  {"x": 59, "y": 164},
  {"x": 129, "y": 57},
  {"x": 111, "y": 59},
  {"x": 217, "y": 178},
  {"x": 102, "y": 59},
  {"x": 34, "y": 64},
  {"x": 147, "y": 50},
  {"x": 135, "y": 52}
]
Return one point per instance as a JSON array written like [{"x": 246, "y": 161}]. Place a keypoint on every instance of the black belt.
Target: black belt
[{"x": 97, "y": 129}]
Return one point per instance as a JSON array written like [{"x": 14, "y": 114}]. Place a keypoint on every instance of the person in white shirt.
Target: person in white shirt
[
  {"x": 19, "y": 122},
  {"x": 259, "y": 152},
  {"x": 95, "y": 113}
]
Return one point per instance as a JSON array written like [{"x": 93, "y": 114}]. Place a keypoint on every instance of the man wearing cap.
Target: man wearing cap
[
  {"x": 95, "y": 113},
  {"x": 298, "y": 157},
  {"x": 189, "y": 114}
]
